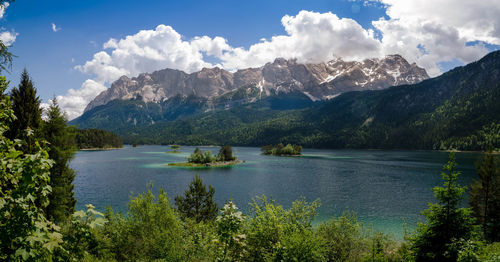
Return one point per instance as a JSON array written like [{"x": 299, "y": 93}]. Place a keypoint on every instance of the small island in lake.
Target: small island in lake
[
  {"x": 281, "y": 150},
  {"x": 175, "y": 149},
  {"x": 206, "y": 159}
]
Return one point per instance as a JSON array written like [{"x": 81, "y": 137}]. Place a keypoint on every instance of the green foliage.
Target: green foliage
[
  {"x": 197, "y": 203},
  {"x": 151, "y": 230},
  {"x": 25, "y": 233},
  {"x": 200, "y": 241},
  {"x": 225, "y": 154},
  {"x": 490, "y": 252},
  {"x": 229, "y": 230},
  {"x": 273, "y": 233},
  {"x": 81, "y": 237},
  {"x": 485, "y": 196},
  {"x": 26, "y": 107},
  {"x": 342, "y": 238},
  {"x": 61, "y": 142},
  {"x": 96, "y": 138},
  {"x": 447, "y": 224},
  {"x": 457, "y": 110},
  {"x": 199, "y": 157},
  {"x": 280, "y": 150}
]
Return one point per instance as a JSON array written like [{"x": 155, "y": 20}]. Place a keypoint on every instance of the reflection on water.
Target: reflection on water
[{"x": 384, "y": 188}]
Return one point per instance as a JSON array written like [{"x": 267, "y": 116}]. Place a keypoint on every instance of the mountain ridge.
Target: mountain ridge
[
  {"x": 318, "y": 81},
  {"x": 457, "y": 110}
]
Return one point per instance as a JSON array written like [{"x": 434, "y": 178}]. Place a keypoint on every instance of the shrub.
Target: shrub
[{"x": 151, "y": 230}]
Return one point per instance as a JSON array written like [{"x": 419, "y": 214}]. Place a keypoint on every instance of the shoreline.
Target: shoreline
[
  {"x": 299, "y": 155},
  {"x": 207, "y": 165},
  {"x": 371, "y": 149},
  {"x": 100, "y": 149}
]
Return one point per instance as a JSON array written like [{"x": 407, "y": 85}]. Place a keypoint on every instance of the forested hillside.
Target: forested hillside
[
  {"x": 457, "y": 110},
  {"x": 97, "y": 139}
]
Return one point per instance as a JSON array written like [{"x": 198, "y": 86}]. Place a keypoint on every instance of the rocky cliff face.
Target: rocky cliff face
[{"x": 317, "y": 81}]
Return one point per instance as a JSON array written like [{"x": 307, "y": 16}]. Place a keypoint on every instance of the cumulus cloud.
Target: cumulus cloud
[
  {"x": 311, "y": 37},
  {"x": 439, "y": 31},
  {"x": 150, "y": 50},
  {"x": 3, "y": 7},
  {"x": 8, "y": 38},
  {"x": 425, "y": 33},
  {"x": 54, "y": 27},
  {"x": 474, "y": 20},
  {"x": 75, "y": 101}
]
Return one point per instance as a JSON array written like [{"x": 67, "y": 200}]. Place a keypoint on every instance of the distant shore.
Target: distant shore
[
  {"x": 197, "y": 165},
  {"x": 100, "y": 149},
  {"x": 467, "y": 151}
]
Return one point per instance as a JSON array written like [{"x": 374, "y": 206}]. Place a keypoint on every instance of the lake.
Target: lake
[{"x": 386, "y": 189}]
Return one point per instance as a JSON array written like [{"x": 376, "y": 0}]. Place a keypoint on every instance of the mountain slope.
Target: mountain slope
[
  {"x": 318, "y": 81},
  {"x": 458, "y": 109},
  {"x": 168, "y": 94}
]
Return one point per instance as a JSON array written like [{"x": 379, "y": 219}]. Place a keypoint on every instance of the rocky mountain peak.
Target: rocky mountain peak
[{"x": 317, "y": 81}]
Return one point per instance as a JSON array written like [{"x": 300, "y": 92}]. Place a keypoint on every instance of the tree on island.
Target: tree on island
[
  {"x": 447, "y": 224},
  {"x": 485, "y": 196},
  {"x": 62, "y": 147},
  {"x": 175, "y": 149},
  {"x": 198, "y": 157},
  {"x": 281, "y": 150},
  {"x": 197, "y": 203},
  {"x": 225, "y": 154}
]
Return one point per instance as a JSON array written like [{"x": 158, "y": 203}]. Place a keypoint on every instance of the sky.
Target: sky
[{"x": 74, "y": 50}]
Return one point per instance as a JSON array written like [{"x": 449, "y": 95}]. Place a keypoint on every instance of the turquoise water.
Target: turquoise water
[{"x": 386, "y": 189}]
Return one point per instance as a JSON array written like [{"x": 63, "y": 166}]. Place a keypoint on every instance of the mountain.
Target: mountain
[
  {"x": 458, "y": 109},
  {"x": 317, "y": 81}
]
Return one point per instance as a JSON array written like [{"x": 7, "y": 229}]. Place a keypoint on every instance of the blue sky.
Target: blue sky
[{"x": 84, "y": 26}]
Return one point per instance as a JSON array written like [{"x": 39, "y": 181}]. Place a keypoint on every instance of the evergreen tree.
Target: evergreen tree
[
  {"x": 62, "y": 147},
  {"x": 485, "y": 196},
  {"x": 25, "y": 233},
  {"x": 447, "y": 224},
  {"x": 197, "y": 203},
  {"x": 225, "y": 154},
  {"x": 26, "y": 106}
]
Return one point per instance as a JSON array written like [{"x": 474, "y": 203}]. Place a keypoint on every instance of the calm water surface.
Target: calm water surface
[{"x": 386, "y": 189}]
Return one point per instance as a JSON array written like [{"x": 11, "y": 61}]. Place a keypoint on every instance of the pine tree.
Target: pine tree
[
  {"x": 447, "y": 224},
  {"x": 62, "y": 147},
  {"x": 197, "y": 203},
  {"x": 25, "y": 233},
  {"x": 225, "y": 154},
  {"x": 485, "y": 196},
  {"x": 26, "y": 107}
]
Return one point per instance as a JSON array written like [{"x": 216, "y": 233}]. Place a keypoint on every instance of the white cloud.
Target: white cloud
[
  {"x": 74, "y": 101},
  {"x": 55, "y": 28},
  {"x": 8, "y": 38},
  {"x": 474, "y": 20},
  {"x": 311, "y": 37},
  {"x": 427, "y": 33},
  {"x": 439, "y": 31},
  {"x": 150, "y": 50},
  {"x": 3, "y": 7}
]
